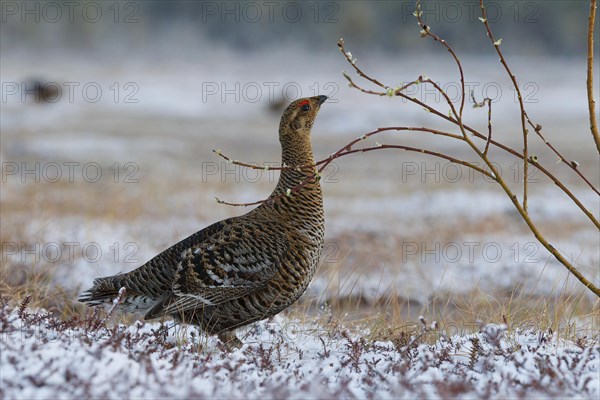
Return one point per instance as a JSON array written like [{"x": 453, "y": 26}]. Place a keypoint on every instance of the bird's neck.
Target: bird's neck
[
  {"x": 298, "y": 198},
  {"x": 297, "y": 188},
  {"x": 297, "y": 157},
  {"x": 296, "y": 153}
]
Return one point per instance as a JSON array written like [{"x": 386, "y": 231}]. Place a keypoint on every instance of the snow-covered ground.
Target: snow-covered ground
[
  {"x": 43, "y": 358},
  {"x": 398, "y": 225}
]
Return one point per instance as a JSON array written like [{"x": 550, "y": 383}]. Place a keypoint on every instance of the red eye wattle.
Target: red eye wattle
[{"x": 304, "y": 105}]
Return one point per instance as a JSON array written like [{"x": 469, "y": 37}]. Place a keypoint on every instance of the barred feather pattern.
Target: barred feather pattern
[{"x": 242, "y": 269}]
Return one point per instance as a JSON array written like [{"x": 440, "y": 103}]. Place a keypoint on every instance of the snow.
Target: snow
[
  {"x": 283, "y": 358},
  {"x": 169, "y": 134}
]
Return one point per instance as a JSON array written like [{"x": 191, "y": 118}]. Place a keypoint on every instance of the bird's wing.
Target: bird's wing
[{"x": 233, "y": 262}]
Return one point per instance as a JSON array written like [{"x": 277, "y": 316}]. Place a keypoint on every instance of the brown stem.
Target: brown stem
[
  {"x": 570, "y": 163},
  {"x": 347, "y": 149},
  {"x": 537, "y": 128},
  {"x": 423, "y": 151},
  {"x": 532, "y": 227},
  {"x": 521, "y": 208},
  {"x": 263, "y": 167},
  {"x": 590, "y": 75},
  {"x": 450, "y": 50},
  {"x": 538, "y": 235},
  {"x": 520, "y": 98},
  {"x": 477, "y": 134},
  {"x": 487, "y": 143},
  {"x": 358, "y": 70},
  {"x": 482, "y": 104}
]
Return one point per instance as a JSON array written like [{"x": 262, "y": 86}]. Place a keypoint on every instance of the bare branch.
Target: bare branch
[
  {"x": 271, "y": 200},
  {"x": 479, "y": 105},
  {"x": 536, "y": 127},
  {"x": 496, "y": 44},
  {"x": 521, "y": 208},
  {"x": 428, "y": 32},
  {"x": 590, "y": 75},
  {"x": 423, "y": 151},
  {"x": 492, "y": 142},
  {"x": 349, "y": 58},
  {"x": 263, "y": 167}
]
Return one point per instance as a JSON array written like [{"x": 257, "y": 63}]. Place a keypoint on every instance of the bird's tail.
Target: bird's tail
[{"x": 106, "y": 290}]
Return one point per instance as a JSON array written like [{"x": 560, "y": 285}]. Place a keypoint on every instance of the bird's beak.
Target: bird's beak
[{"x": 322, "y": 99}]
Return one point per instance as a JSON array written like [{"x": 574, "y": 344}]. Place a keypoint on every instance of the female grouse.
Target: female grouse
[{"x": 243, "y": 269}]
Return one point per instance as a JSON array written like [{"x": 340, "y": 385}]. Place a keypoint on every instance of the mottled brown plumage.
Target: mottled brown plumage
[{"x": 243, "y": 269}]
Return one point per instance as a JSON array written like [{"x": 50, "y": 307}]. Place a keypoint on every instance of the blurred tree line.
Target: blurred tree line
[{"x": 537, "y": 27}]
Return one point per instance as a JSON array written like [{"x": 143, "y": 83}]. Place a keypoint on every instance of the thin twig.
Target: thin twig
[
  {"x": 272, "y": 199},
  {"x": 398, "y": 92},
  {"x": 116, "y": 301},
  {"x": 590, "y": 75},
  {"x": 264, "y": 167},
  {"x": 358, "y": 70},
  {"x": 479, "y": 105},
  {"x": 521, "y": 208},
  {"x": 537, "y": 128},
  {"x": 492, "y": 142},
  {"x": 347, "y": 149},
  {"x": 496, "y": 44},
  {"x": 428, "y": 32},
  {"x": 347, "y": 146},
  {"x": 570, "y": 163},
  {"x": 423, "y": 151},
  {"x": 457, "y": 121}
]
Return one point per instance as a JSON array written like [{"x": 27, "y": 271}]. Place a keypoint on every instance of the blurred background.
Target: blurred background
[{"x": 111, "y": 109}]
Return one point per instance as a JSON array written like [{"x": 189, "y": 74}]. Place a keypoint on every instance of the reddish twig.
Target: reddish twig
[
  {"x": 477, "y": 134},
  {"x": 352, "y": 61},
  {"x": 423, "y": 151},
  {"x": 521, "y": 208},
  {"x": 347, "y": 149},
  {"x": 418, "y": 13},
  {"x": 263, "y": 167},
  {"x": 524, "y": 116},
  {"x": 496, "y": 44},
  {"x": 272, "y": 199}
]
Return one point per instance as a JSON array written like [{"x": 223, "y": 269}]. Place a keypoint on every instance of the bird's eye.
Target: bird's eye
[{"x": 305, "y": 105}]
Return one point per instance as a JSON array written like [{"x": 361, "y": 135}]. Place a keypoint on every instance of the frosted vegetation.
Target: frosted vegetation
[
  {"x": 430, "y": 285},
  {"x": 43, "y": 356}
]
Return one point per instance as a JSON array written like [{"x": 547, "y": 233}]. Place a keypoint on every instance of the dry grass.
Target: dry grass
[
  {"x": 349, "y": 322},
  {"x": 357, "y": 255},
  {"x": 571, "y": 316},
  {"x": 362, "y": 308}
]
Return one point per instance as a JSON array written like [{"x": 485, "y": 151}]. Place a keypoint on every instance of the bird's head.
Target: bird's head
[{"x": 298, "y": 118}]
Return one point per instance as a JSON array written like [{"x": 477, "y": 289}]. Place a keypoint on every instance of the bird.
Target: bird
[
  {"x": 242, "y": 269},
  {"x": 49, "y": 92},
  {"x": 277, "y": 105}
]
